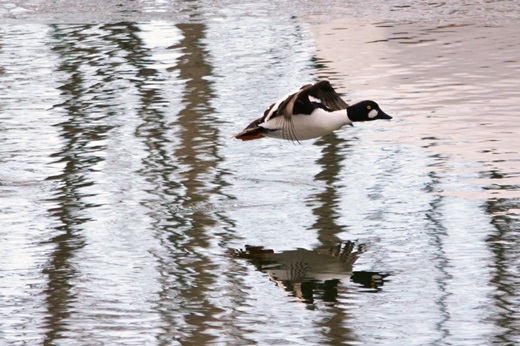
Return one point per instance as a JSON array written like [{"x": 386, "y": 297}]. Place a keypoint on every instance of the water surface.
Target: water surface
[{"x": 129, "y": 215}]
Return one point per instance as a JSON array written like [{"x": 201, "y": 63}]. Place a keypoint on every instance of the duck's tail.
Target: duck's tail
[
  {"x": 252, "y": 131},
  {"x": 249, "y": 134}
]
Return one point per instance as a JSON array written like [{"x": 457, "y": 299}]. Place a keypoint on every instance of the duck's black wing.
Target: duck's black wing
[
  {"x": 283, "y": 109},
  {"x": 324, "y": 92}
]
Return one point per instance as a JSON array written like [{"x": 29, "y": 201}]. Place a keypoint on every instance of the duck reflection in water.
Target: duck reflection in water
[{"x": 307, "y": 273}]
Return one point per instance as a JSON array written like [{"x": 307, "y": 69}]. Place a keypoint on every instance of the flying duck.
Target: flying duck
[{"x": 312, "y": 111}]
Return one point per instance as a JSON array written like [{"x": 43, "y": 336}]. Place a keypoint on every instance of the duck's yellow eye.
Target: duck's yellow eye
[{"x": 369, "y": 107}]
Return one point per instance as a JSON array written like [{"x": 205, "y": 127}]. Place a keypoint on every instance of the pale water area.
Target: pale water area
[{"x": 130, "y": 216}]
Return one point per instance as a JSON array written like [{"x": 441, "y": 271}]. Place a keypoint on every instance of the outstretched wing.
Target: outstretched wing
[
  {"x": 283, "y": 115},
  {"x": 284, "y": 106},
  {"x": 279, "y": 114},
  {"x": 323, "y": 92},
  {"x": 279, "y": 117}
]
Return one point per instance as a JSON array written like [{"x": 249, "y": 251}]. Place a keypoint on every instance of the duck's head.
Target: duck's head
[{"x": 366, "y": 111}]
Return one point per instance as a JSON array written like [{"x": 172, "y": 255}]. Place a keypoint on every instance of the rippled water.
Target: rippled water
[{"x": 129, "y": 216}]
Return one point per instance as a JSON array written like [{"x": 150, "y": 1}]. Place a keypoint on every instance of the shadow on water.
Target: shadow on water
[
  {"x": 483, "y": 148},
  {"x": 443, "y": 75},
  {"x": 186, "y": 234},
  {"x": 180, "y": 167},
  {"x": 326, "y": 208},
  {"x": 319, "y": 277},
  {"x": 311, "y": 274},
  {"x": 81, "y": 128},
  {"x": 182, "y": 177},
  {"x": 504, "y": 244},
  {"x": 437, "y": 232},
  {"x": 326, "y": 213}
]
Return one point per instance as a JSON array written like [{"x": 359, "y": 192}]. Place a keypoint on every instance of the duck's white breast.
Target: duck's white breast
[{"x": 318, "y": 124}]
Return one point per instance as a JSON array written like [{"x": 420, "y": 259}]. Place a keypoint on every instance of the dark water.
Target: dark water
[{"x": 128, "y": 216}]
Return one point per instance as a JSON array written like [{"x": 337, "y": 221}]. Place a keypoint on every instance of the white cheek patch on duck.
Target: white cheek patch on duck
[{"x": 372, "y": 114}]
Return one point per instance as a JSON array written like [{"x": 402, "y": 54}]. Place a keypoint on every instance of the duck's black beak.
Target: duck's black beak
[{"x": 382, "y": 115}]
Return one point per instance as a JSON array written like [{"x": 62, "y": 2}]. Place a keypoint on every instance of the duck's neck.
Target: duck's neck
[
  {"x": 355, "y": 112},
  {"x": 340, "y": 117}
]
